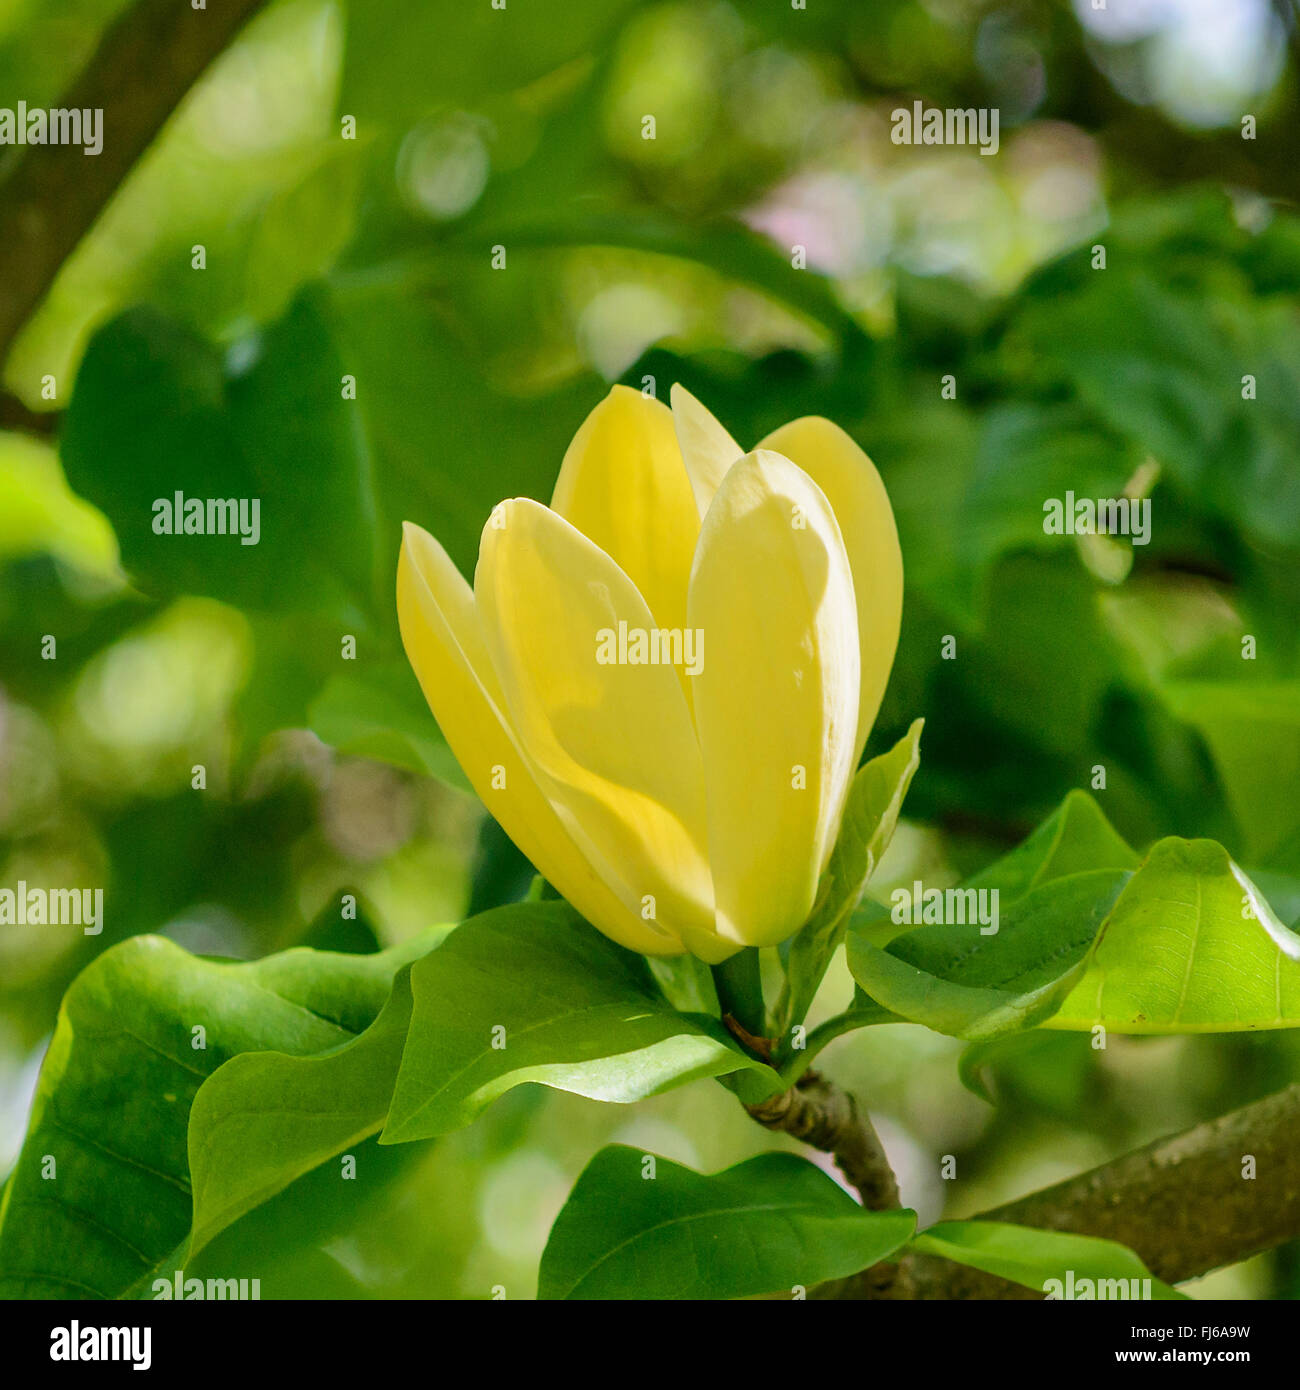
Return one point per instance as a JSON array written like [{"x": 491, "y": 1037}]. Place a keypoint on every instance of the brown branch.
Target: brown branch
[
  {"x": 1182, "y": 1202},
  {"x": 144, "y": 64},
  {"x": 817, "y": 1112}
]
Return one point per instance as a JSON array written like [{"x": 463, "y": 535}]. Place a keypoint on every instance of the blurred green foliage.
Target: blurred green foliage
[{"x": 664, "y": 260}]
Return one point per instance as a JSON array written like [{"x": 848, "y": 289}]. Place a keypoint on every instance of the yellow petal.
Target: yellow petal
[
  {"x": 866, "y": 520},
  {"x": 777, "y": 701},
  {"x": 440, "y": 631},
  {"x": 708, "y": 451},
  {"x": 613, "y": 743},
  {"x": 622, "y": 484}
]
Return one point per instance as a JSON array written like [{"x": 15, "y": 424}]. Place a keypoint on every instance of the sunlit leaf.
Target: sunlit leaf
[{"x": 531, "y": 993}]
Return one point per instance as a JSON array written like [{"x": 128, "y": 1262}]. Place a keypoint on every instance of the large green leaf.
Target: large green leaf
[
  {"x": 1075, "y": 838},
  {"x": 871, "y": 813},
  {"x": 265, "y": 1118},
  {"x": 530, "y": 992},
  {"x": 114, "y": 1100},
  {"x": 638, "y": 1226},
  {"x": 446, "y": 439},
  {"x": 159, "y": 410},
  {"x": 955, "y": 980},
  {"x": 729, "y": 248},
  {"x": 1032, "y": 1257},
  {"x": 1191, "y": 946}
]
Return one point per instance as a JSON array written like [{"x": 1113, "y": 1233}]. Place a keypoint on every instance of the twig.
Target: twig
[{"x": 817, "y": 1112}]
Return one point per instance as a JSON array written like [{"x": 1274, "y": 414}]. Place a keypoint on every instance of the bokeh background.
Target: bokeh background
[{"x": 670, "y": 259}]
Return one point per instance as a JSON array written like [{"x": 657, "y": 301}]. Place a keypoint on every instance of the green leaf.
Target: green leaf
[
  {"x": 156, "y": 410},
  {"x": 423, "y": 389},
  {"x": 302, "y": 229},
  {"x": 729, "y": 248},
  {"x": 1181, "y": 349},
  {"x": 1030, "y": 450},
  {"x": 1191, "y": 946},
  {"x": 1253, "y": 732},
  {"x": 457, "y": 55},
  {"x": 1174, "y": 952},
  {"x": 979, "y": 1058},
  {"x": 870, "y": 816},
  {"x": 115, "y": 1095},
  {"x": 530, "y": 992},
  {"x": 265, "y": 1118},
  {"x": 292, "y": 1240},
  {"x": 1032, "y": 1257},
  {"x": 1043, "y": 617},
  {"x": 955, "y": 980},
  {"x": 1075, "y": 838},
  {"x": 766, "y": 1226},
  {"x": 687, "y": 983}
]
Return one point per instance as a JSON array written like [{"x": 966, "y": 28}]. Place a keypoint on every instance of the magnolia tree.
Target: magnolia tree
[
  {"x": 689, "y": 691},
  {"x": 703, "y": 833}
]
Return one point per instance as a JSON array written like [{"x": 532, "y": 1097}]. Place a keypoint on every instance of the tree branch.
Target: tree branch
[
  {"x": 1183, "y": 1202},
  {"x": 819, "y": 1113},
  {"x": 144, "y": 64}
]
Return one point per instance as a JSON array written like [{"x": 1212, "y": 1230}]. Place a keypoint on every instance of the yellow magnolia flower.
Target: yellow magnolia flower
[{"x": 661, "y": 684}]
